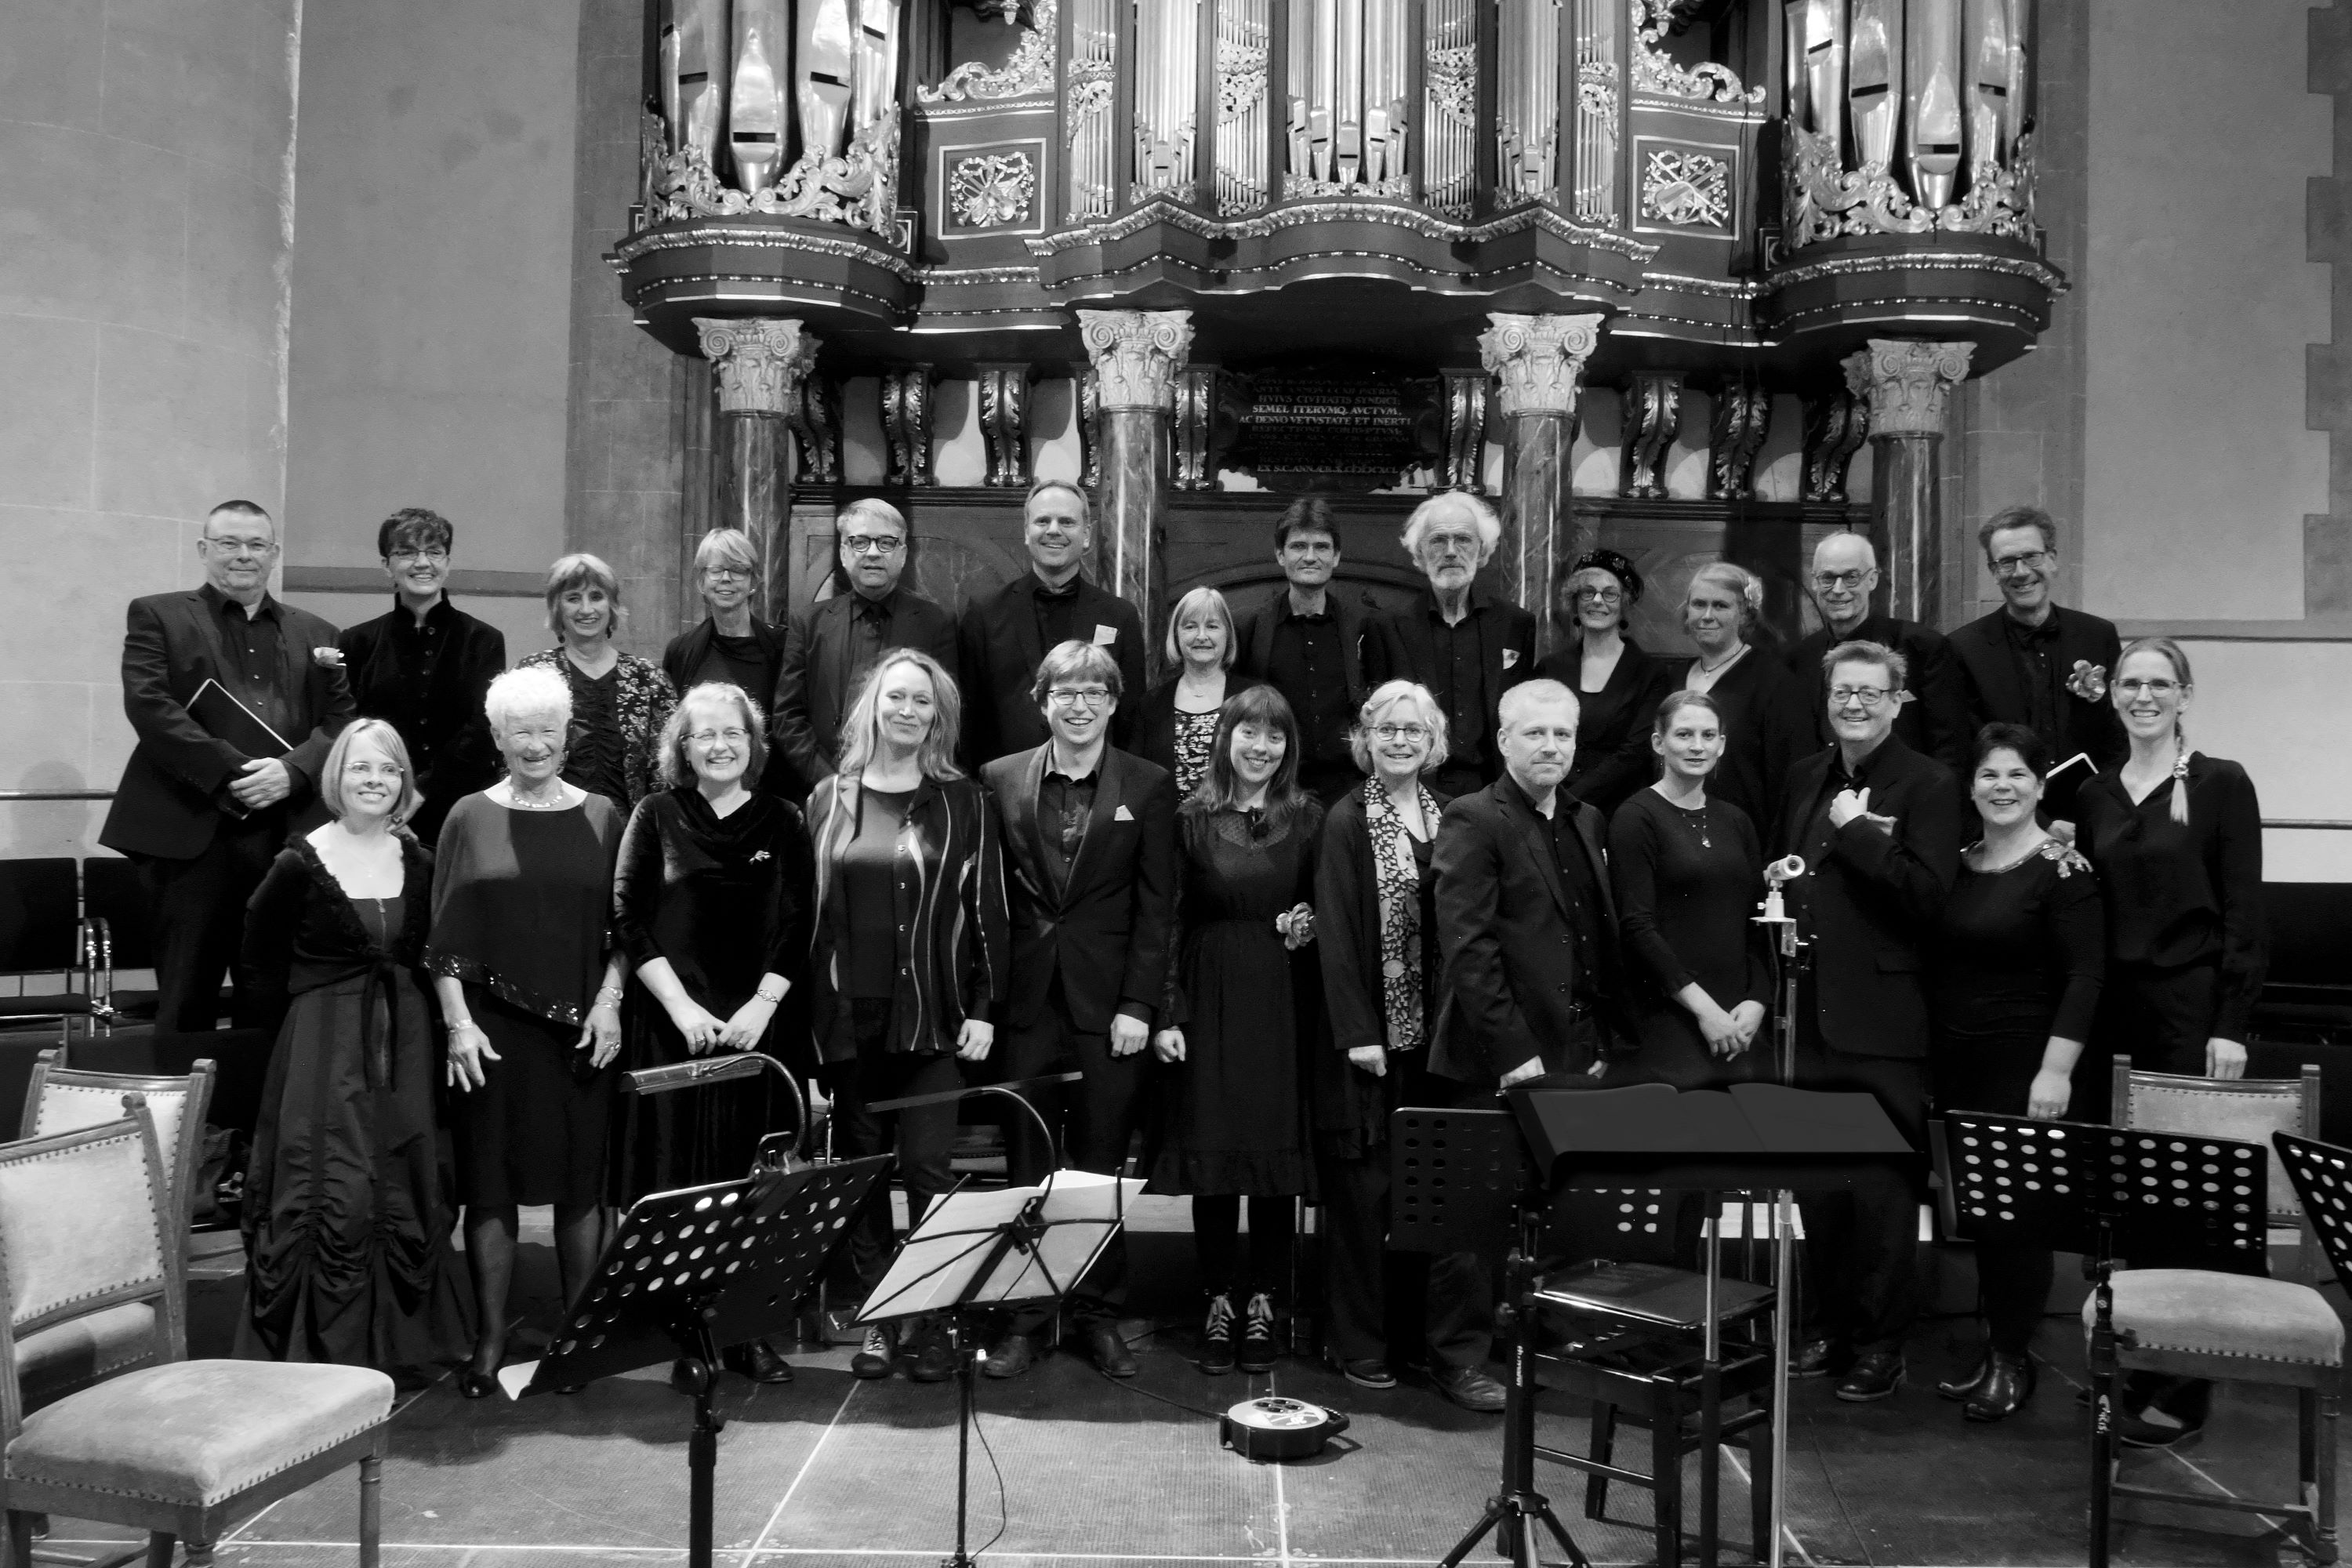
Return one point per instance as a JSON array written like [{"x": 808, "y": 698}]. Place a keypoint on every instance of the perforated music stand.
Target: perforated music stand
[
  {"x": 2162, "y": 1200},
  {"x": 690, "y": 1270}
]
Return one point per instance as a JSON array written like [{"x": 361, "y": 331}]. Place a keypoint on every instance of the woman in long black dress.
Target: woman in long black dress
[
  {"x": 1237, "y": 1123},
  {"x": 1723, "y": 615},
  {"x": 1687, "y": 869},
  {"x": 2021, "y": 948},
  {"x": 1617, "y": 683},
  {"x": 619, "y": 701},
  {"x": 1176, "y": 726},
  {"x": 530, "y": 995},
  {"x": 346, "y": 1221},
  {"x": 710, "y": 904}
]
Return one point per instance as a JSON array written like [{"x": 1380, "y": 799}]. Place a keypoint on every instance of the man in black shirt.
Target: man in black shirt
[
  {"x": 1934, "y": 715},
  {"x": 1308, "y": 646},
  {"x": 426, "y": 668}
]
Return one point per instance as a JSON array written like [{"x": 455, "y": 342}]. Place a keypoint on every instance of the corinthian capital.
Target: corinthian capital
[
  {"x": 1539, "y": 360},
  {"x": 1137, "y": 355},
  {"x": 1907, "y": 382},
  {"x": 760, "y": 363}
]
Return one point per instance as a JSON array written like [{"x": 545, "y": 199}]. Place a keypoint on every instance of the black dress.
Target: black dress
[
  {"x": 1612, "y": 725},
  {"x": 523, "y": 903},
  {"x": 1237, "y": 1122},
  {"x": 1686, "y": 882},
  {"x": 347, "y": 1216},
  {"x": 725, "y": 901},
  {"x": 1759, "y": 739}
]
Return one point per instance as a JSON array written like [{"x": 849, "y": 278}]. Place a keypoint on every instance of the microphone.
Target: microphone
[{"x": 1778, "y": 874}]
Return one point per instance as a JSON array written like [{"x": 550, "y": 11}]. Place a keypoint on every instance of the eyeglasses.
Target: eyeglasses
[
  {"x": 741, "y": 573},
  {"x": 438, "y": 557},
  {"x": 2012, "y": 565},
  {"x": 1597, "y": 596},
  {"x": 2160, "y": 687},
  {"x": 1399, "y": 732},
  {"x": 228, "y": 546},
  {"x": 1071, "y": 696},
  {"x": 1839, "y": 579},
  {"x": 710, "y": 737},
  {"x": 1868, "y": 696},
  {"x": 867, "y": 544},
  {"x": 1449, "y": 543},
  {"x": 371, "y": 770}
]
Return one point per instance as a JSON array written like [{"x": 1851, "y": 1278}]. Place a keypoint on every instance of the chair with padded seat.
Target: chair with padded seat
[
  {"x": 2246, "y": 1109},
  {"x": 179, "y": 1448},
  {"x": 41, "y": 934},
  {"x": 62, "y": 1099}
]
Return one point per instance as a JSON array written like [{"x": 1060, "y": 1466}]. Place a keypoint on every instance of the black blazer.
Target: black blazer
[
  {"x": 1154, "y": 735},
  {"x": 1254, "y": 643},
  {"x": 1001, "y": 650},
  {"x": 1107, "y": 931},
  {"x": 1613, "y": 731},
  {"x": 175, "y": 787},
  {"x": 1502, "y": 918},
  {"x": 1755, "y": 696},
  {"x": 1872, "y": 904},
  {"x": 1935, "y": 722},
  {"x": 1996, "y": 692},
  {"x": 1397, "y": 647},
  {"x": 687, "y": 651},
  {"x": 443, "y": 724},
  {"x": 815, "y": 683}
]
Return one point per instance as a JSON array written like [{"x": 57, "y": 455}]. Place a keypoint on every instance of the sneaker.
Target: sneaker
[
  {"x": 873, "y": 1356},
  {"x": 1258, "y": 1347},
  {"x": 1217, "y": 1336}
]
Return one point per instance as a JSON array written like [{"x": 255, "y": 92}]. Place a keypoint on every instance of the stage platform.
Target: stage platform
[{"x": 830, "y": 1472}]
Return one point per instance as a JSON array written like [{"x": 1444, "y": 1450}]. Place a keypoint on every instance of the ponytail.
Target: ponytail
[{"x": 2181, "y": 773}]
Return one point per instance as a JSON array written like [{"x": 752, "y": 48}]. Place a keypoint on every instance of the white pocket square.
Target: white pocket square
[
  {"x": 1105, "y": 636},
  {"x": 1122, "y": 814},
  {"x": 1510, "y": 658}
]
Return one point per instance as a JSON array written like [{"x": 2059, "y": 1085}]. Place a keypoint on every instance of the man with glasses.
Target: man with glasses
[
  {"x": 1879, "y": 827},
  {"x": 1467, "y": 646},
  {"x": 1004, "y": 634},
  {"x": 1089, "y": 837},
  {"x": 833, "y": 644},
  {"x": 1308, "y": 646},
  {"x": 200, "y": 815},
  {"x": 730, "y": 644},
  {"x": 426, "y": 668},
  {"x": 1934, "y": 716},
  {"x": 2037, "y": 663}
]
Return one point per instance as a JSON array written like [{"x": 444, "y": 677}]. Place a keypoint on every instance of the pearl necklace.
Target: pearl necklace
[{"x": 527, "y": 804}]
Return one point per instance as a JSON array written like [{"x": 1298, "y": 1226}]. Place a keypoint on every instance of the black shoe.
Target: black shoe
[
  {"x": 476, "y": 1385},
  {"x": 1009, "y": 1357},
  {"x": 1258, "y": 1348},
  {"x": 2142, "y": 1432},
  {"x": 1217, "y": 1336},
  {"x": 1873, "y": 1376},
  {"x": 2006, "y": 1388},
  {"x": 1109, "y": 1349},
  {"x": 935, "y": 1358},
  {"x": 874, "y": 1358},
  {"x": 1468, "y": 1388},
  {"x": 1369, "y": 1373},
  {"x": 1820, "y": 1358},
  {"x": 757, "y": 1360},
  {"x": 1966, "y": 1387}
]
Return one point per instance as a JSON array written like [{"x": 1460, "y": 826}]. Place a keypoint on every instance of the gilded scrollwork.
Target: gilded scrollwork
[
  {"x": 1683, "y": 186},
  {"x": 1825, "y": 200},
  {"x": 1656, "y": 71},
  {"x": 993, "y": 190},
  {"x": 1030, "y": 71},
  {"x": 855, "y": 188}
]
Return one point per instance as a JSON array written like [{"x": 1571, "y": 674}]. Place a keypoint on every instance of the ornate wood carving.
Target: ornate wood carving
[
  {"x": 1743, "y": 417},
  {"x": 1136, "y": 353},
  {"x": 1003, "y": 403},
  {"x": 1836, "y": 424},
  {"x": 760, "y": 363},
  {"x": 815, "y": 422},
  {"x": 906, "y": 424},
  {"x": 1462, "y": 463},
  {"x": 1089, "y": 422},
  {"x": 1908, "y": 382},
  {"x": 1196, "y": 427},
  {"x": 1538, "y": 359},
  {"x": 1653, "y": 406}
]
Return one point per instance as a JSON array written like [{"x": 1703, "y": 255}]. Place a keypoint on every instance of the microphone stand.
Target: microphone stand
[{"x": 1794, "y": 953}]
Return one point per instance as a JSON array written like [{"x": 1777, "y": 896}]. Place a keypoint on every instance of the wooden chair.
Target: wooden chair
[
  {"x": 65, "y": 1100},
  {"x": 90, "y": 1255},
  {"x": 2246, "y": 1109}
]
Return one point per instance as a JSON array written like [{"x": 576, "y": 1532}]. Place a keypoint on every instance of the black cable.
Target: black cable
[
  {"x": 1003, "y": 1512},
  {"x": 1133, "y": 1387}
]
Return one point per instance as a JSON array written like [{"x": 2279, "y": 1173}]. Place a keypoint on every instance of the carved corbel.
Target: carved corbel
[
  {"x": 760, "y": 361},
  {"x": 1196, "y": 427},
  {"x": 1836, "y": 424},
  {"x": 816, "y": 425},
  {"x": 1089, "y": 422},
  {"x": 1004, "y": 422},
  {"x": 906, "y": 424},
  {"x": 1653, "y": 406},
  {"x": 1743, "y": 417},
  {"x": 1463, "y": 461}
]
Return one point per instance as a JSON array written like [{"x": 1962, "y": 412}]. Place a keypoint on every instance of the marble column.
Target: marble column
[
  {"x": 1137, "y": 355},
  {"x": 1907, "y": 383},
  {"x": 1538, "y": 362},
  {"x": 762, "y": 366}
]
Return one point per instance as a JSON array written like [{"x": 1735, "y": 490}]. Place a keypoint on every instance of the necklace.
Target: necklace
[
  {"x": 1699, "y": 826},
  {"x": 2030, "y": 851},
  {"x": 527, "y": 804},
  {"x": 1722, "y": 663}
]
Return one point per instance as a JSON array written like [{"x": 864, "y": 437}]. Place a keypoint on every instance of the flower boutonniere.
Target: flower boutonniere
[
  {"x": 2088, "y": 680},
  {"x": 327, "y": 657},
  {"x": 760, "y": 856}
]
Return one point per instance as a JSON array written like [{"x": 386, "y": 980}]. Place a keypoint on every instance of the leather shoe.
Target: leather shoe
[
  {"x": 476, "y": 1385},
  {"x": 1966, "y": 1387},
  {"x": 757, "y": 1360},
  {"x": 1109, "y": 1348},
  {"x": 1009, "y": 1357},
  {"x": 2007, "y": 1386},
  {"x": 1468, "y": 1388},
  {"x": 1822, "y": 1357},
  {"x": 1369, "y": 1373},
  {"x": 1873, "y": 1376},
  {"x": 934, "y": 1358}
]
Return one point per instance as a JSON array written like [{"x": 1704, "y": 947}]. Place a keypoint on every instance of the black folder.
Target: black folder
[
  {"x": 1654, "y": 1129},
  {"x": 225, "y": 718}
]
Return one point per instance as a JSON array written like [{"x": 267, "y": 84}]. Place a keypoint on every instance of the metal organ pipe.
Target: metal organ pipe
[
  {"x": 1349, "y": 120},
  {"x": 1933, "y": 73},
  {"x": 755, "y": 101},
  {"x": 1527, "y": 107},
  {"x": 1874, "y": 86},
  {"x": 1167, "y": 78},
  {"x": 1450, "y": 105}
]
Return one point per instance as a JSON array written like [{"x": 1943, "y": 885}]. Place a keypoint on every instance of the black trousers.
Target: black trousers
[
  {"x": 1377, "y": 1299},
  {"x": 1862, "y": 1244},
  {"x": 925, "y": 1137},
  {"x": 199, "y": 911},
  {"x": 2013, "y": 1284},
  {"x": 2160, "y": 1018}
]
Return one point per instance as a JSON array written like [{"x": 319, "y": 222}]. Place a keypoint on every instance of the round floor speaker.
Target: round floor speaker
[{"x": 1278, "y": 1428}]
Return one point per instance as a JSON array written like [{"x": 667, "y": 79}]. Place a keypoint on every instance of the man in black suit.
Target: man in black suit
[
  {"x": 426, "y": 668},
  {"x": 1934, "y": 719},
  {"x": 831, "y": 645},
  {"x": 1308, "y": 646},
  {"x": 1879, "y": 827},
  {"x": 1005, "y": 636},
  {"x": 201, "y": 818},
  {"x": 1529, "y": 928},
  {"x": 1465, "y": 646},
  {"x": 1090, "y": 842},
  {"x": 2035, "y": 662}
]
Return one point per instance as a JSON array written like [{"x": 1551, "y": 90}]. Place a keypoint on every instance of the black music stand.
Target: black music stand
[
  {"x": 690, "y": 1270},
  {"x": 2163, "y": 1200}
]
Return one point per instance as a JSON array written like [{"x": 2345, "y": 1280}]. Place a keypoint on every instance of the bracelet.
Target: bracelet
[
  {"x": 612, "y": 991},
  {"x": 762, "y": 994}
]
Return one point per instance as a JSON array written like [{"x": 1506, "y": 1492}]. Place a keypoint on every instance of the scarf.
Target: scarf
[{"x": 1398, "y": 878}]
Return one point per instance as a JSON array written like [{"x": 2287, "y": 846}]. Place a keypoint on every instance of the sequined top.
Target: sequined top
[{"x": 1196, "y": 737}]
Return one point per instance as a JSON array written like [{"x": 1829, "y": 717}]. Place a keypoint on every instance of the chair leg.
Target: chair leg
[
  {"x": 1760, "y": 1486},
  {"x": 199, "y": 1553},
  {"x": 1602, "y": 1451},
  {"x": 1667, "y": 1472},
  {"x": 159, "y": 1548},
  {"x": 20, "y": 1540},
  {"x": 370, "y": 1507},
  {"x": 2324, "y": 1517}
]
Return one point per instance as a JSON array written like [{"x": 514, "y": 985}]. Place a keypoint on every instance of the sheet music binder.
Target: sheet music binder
[
  {"x": 970, "y": 1249},
  {"x": 225, "y": 718}
]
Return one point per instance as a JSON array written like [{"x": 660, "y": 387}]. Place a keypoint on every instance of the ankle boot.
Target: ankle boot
[
  {"x": 1966, "y": 1387},
  {"x": 2006, "y": 1388}
]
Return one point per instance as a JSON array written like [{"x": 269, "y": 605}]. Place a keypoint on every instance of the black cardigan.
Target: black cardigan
[
  {"x": 1613, "y": 731},
  {"x": 302, "y": 932}
]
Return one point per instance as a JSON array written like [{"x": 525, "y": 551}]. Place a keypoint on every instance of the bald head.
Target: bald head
[{"x": 1846, "y": 570}]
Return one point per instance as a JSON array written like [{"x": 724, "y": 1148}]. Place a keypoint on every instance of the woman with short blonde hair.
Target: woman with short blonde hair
[
  {"x": 731, "y": 644},
  {"x": 618, "y": 701},
  {"x": 1176, "y": 723}
]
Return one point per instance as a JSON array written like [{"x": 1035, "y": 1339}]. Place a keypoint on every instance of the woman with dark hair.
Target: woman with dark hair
[
  {"x": 1176, "y": 726},
  {"x": 710, "y": 903},
  {"x": 907, "y": 964},
  {"x": 619, "y": 701},
  {"x": 1687, "y": 869},
  {"x": 2022, "y": 944},
  {"x": 1237, "y": 1118},
  {"x": 1723, "y": 615},
  {"x": 1617, "y": 684}
]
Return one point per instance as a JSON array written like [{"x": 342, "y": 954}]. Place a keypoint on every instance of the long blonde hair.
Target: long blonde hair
[
  {"x": 936, "y": 755},
  {"x": 2180, "y": 661}
]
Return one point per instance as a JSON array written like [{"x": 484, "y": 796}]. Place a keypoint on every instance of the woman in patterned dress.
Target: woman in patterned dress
[
  {"x": 1177, "y": 725},
  {"x": 619, "y": 701}
]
